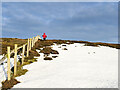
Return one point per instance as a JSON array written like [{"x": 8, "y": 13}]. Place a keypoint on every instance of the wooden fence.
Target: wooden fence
[{"x": 30, "y": 43}]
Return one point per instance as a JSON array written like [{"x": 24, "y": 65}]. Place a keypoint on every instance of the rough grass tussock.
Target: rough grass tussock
[
  {"x": 48, "y": 50},
  {"x": 9, "y": 84},
  {"x": 91, "y": 44},
  {"x": 54, "y": 56},
  {"x": 65, "y": 49},
  {"x": 33, "y": 53},
  {"x": 48, "y": 58}
]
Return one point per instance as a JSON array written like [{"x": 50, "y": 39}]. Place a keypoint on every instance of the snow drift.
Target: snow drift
[{"x": 78, "y": 67}]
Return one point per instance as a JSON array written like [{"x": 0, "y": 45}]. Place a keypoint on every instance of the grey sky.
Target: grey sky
[{"x": 91, "y": 21}]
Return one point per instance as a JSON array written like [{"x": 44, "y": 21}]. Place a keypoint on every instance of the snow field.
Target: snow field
[{"x": 78, "y": 67}]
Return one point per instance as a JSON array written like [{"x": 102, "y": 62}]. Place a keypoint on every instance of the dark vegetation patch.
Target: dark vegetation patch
[
  {"x": 117, "y": 46},
  {"x": 54, "y": 52},
  {"x": 30, "y": 57},
  {"x": 33, "y": 53},
  {"x": 54, "y": 56},
  {"x": 39, "y": 49},
  {"x": 20, "y": 70},
  {"x": 91, "y": 44},
  {"x": 45, "y": 55},
  {"x": 58, "y": 42},
  {"x": 63, "y": 45},
  {"x": 40, "y": 44},
  {"x": 65, "y": 49},
  {"x": 48, "y": 50},
  {"x": 29, "y": 61},
  {"x": 9, "y": 84},
  {"x": 48, "y": 58}
]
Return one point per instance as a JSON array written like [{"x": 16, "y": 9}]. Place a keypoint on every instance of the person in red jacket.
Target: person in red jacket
[{"x": 44, "y": 36}]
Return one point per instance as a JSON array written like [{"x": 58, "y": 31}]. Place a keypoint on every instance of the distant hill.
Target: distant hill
[{"x": 4, "y": 42}]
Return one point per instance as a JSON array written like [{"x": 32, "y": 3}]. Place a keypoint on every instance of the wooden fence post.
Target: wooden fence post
[
  {"x": 30, "y": 43},
  {"x": 33, "y": 41},
  {"x": 37, "y": 38},
  {"x": 15, "y": 61},
  {"x": 28, "y": 48},
  {"x": 8, "y": 62},
  {"x": 23, "y": 54}
]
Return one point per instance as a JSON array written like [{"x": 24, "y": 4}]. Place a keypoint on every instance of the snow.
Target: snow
[
  {"x": 1, "y": 56},
  {"x": 3, "y": 68},
  {"x": 78, "y": 67}
]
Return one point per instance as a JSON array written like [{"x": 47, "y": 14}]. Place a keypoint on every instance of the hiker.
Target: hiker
[{"x": 44, "y": 36}]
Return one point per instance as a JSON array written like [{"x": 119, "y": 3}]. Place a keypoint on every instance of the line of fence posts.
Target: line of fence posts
[{"x": 30, "y": 43}]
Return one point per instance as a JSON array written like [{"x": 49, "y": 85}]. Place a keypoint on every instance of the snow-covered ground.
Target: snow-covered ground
[
  {"x": 3, "y": 68},
  {"x": 78, "y": 67}
]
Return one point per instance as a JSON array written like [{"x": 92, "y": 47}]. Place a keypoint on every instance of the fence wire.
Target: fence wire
[
  {"x": 3, "y": 69},
  {"x": 3, "y": 63}
]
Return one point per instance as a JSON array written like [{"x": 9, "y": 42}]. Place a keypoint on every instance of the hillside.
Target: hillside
[
  {"x": 85, "y": 64},
  {"x": 4, "y": 42}
]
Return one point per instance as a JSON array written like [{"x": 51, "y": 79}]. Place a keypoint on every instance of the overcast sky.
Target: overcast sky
[{"x": 90, "y": 21}]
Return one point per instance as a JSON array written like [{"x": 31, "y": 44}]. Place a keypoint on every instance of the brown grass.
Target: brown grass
[
  {"x": 4, "y": 42},
  {"x": 33, "y": 53},
  {"x": 65, "y": 49},
  {"x": 54, "y": 56},
  {"x": 9, "y": 84},
  {"x": 91, "y": 44},
  {"x": 48, "y": 50}
]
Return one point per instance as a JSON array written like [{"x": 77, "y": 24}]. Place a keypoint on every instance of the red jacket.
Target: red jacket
[{"x": 44, "y": 36}]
